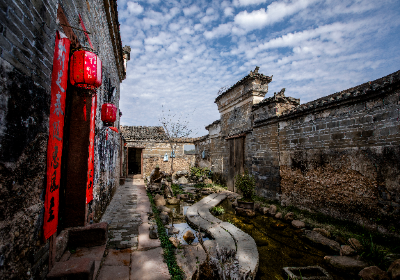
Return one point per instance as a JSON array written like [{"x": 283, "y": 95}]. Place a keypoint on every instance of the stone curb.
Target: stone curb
[{"x": 225, "y": 234}]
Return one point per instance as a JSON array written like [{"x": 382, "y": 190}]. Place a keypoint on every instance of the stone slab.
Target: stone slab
[
  {"x": 222, "y": 237},
  {"x": 118, "y": 257},
  {"x": 114, "y": 273},
  {"x": 88, "y": 236},
  {"x": 75, "y": 269},
  {"x": 149, "y": 265},
  {"x": 145, "y": 242},
  {"x": 225, "y": 235},
  {"x": 189, "y": 258},
  {"x": 94, "y": 253},
  {"x": 246, "y": 248}
]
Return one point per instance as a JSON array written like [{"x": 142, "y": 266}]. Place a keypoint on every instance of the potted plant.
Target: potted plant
[{"x": 245, "y": 183}]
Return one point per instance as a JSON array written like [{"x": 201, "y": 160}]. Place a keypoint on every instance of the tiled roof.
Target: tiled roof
[{"x": 143, "y": 133}]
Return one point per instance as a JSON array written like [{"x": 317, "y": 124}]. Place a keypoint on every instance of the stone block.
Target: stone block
[
  {"x": 114, "y": 273},
  {"x": 75, "y": 269},
  {"x": 394, "y": 270},
  {"x": 118, "y": 257},
  {"x": 61, "y": 244},
  {"x": 88, "y": 236},
  {"x": 94, "y": 253},
  {"x": 373, "y": 273},
  {"x": 346, "y": 264}
]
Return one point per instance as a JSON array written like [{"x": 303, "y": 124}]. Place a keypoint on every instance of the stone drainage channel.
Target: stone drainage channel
[
  {"x": 263, "y": 253},
  {"x": 222, "y": 233}
]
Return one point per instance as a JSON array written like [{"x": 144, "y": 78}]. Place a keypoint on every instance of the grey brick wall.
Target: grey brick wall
[{"x": 27, "y": 30}]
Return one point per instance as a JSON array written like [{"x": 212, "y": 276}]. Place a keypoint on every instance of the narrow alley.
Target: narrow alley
[{"x": 131, "y": 254}]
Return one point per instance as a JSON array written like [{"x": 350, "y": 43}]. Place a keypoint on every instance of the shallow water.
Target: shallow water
[
  {"x": 277, "y": 247},
  {"x": 180, "y": 222}
]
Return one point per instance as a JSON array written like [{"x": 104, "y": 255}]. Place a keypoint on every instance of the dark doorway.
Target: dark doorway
[
  {"x": 236, "y": 161},
  {"x": 134, "y": 161}
]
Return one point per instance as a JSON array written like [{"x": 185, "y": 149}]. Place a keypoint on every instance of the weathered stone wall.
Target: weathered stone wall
[
  {"x": 344, "y": 159},
  {"x": 339, "y": 155},
  {"x": 26, "y": 55}
]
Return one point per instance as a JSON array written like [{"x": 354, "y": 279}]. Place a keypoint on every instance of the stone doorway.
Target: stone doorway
[
  {"x": 135, "y": 161},
  {"x": 236, "y": 161}
]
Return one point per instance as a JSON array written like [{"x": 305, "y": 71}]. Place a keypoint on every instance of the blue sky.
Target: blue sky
[{"x": 183, "y": 52}]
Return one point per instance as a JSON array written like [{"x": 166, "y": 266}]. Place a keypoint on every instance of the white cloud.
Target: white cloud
[
  {"x": 228, "y": 11},
  {"x": 275, "y": 12},
  {"x": 247, "y": 2},
  {"x": 174, "y": 26},
  {"x": 134, "y": 8},
  {"x": 210, "y": 11},
  {"x": 135, "y": 43},
  {"x": 221, "y": 30},
  {"x": 191, "y": 10},
  {"x": 161, "y": 39},
  {"x": 179, "y": 59},
  {"x": 174, "y": 47},
  {"x": 208, "y": 19}
]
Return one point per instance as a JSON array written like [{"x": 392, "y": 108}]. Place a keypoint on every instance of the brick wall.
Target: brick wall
[
  {"x": 26, "y": 54},
  {"x": 339, "y": 155}
]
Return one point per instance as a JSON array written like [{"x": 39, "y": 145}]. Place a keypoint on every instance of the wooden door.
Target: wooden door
[{"x": 236, "y": 161}]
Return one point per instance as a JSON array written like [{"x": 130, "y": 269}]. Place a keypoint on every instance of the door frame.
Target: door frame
[
  {"x": 236, "y": 165},
  {"x": 141, "y": 160}
]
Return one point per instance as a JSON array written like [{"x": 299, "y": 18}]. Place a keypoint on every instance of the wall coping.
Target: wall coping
[
  {"x": 250, "y": 77},
  {"x": 359, "y": 93}
]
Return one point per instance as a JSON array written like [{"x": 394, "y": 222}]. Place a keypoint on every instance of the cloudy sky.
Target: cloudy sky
[{"x": 183, "y": 52}]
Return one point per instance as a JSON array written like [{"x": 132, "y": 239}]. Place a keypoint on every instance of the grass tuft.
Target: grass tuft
[{"x": 169, "y": 255}]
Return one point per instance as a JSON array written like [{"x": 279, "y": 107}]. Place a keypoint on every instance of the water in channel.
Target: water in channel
[{"x": 277, "y": 247}]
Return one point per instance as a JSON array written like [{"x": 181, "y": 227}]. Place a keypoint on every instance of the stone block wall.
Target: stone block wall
[
  {"x": 339, "y": 155},
  {"x": 27, "y": 38}
]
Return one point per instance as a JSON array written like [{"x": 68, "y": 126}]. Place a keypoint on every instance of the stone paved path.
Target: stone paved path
[{"x": 131, "y": 254}]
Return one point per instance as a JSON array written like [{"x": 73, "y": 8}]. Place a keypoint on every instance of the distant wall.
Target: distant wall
[{"x": 153, "y": 155}]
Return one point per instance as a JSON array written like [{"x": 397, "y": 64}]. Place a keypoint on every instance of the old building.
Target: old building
[
  {"x": 339, "y": 154},
  {"x": 148, "y": 147},
  {"x": 37, "y": 39}
]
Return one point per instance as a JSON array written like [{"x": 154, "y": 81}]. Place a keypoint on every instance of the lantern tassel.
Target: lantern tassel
[{"x": 84, "y": 109}]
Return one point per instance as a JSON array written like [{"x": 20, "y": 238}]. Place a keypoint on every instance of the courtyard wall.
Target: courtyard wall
[{"x": 339, "y": 155}]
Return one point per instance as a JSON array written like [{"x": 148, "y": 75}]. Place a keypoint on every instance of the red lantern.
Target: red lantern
[
  {"x": 108, "y": 114},
  {"x": 85, "y": 70}
]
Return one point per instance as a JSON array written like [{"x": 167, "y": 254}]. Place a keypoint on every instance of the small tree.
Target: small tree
[{"x": 176, "y": 129}]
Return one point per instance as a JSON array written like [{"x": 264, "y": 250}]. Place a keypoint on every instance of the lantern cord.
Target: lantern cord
[{"x": 75, "y": 28}]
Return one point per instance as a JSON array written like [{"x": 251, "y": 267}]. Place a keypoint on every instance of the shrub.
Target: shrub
[
  {"x": 373, "y": 253},
  {"x": 246, "y": 184},
  {"x": 176, "y": 189},
  {"x": 218, "y": 210},
  {"x": 200, "y": 172}
]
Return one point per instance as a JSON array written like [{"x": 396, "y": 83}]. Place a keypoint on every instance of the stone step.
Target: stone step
[{"x": 74, "y": 269}]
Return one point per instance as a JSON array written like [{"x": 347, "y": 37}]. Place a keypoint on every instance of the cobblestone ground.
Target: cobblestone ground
[{"x": 123, "y": 216}]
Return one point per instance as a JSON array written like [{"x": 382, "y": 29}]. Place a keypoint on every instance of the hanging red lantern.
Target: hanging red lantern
[
  {"x": 85, "y": 70},
  {"x": 108, "y": 114}
]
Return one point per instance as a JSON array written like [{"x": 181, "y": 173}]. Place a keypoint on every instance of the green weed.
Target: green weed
[{"x": 169, "y": 255}]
